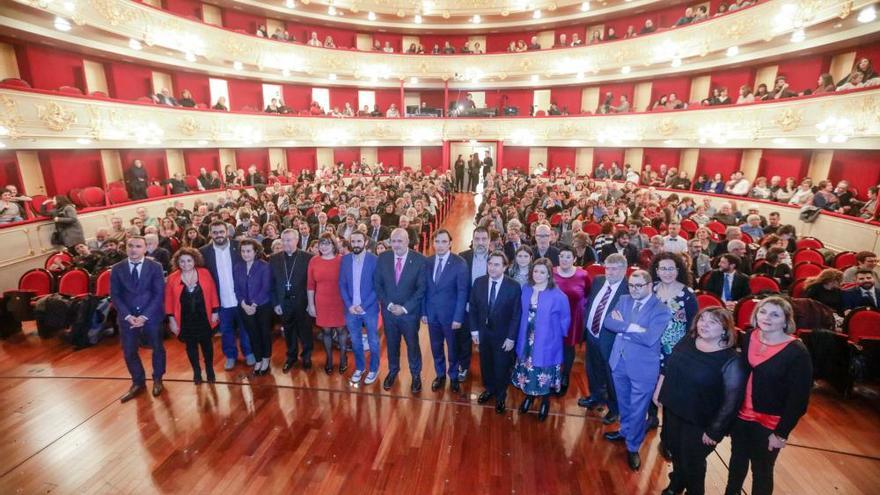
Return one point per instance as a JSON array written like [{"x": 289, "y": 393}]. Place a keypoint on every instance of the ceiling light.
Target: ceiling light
[
  {"x": 237, "y": 65},
  {"x": 332, "y": 77},
  {"x": 676, "y": 62},
  {"x": 62, "y": 24},
  {"x": 733, "y": 51},
  {"x": 202, "y": 142},
  {"x": 69, "y": 6},
  {"x": 585, "y": 6},
  {"x": 290, "y": 4},
  {"x": 580, "y": 76},
  {"x": 535, "y": 77},
  {"x": 414, "y": 80},
  {"x": 418, "y": 19},
  {"x": 371, "y": 16},
  {"x": 798, "y": 36},
  {"x": 427, "y": 6},
  {"x": 189, "y": 57},
  {"x": 476, "y": 19},
  {"x": 134, "y": 44},
  {"x": 625, "y": 69},
  {"x": 536, "y": 14},
  {"x": 84, "y": 141},
  {"x": 868, "y": 14}
]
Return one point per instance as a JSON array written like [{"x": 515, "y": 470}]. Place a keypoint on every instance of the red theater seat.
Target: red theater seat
[
  {"x": 15, "y": 82},
  {"x": 844, "y": 260},
  {"x": 742, "y": 312},
  {"x": 862, "y": 323},
  {"x": 809, "y": 242},
  {"x": 61, "y": 256},
  {"x": 37, "y": 281},
  {"x": 596, "y": 270},
  {"x": 806, "y": 270},
  {"x": 808, "y": 255},
  {"x": 102, "y": 283},
  {"x": 191, "y": 182},
  {"x": 155, "y": 191},
  {"x": 117, "y": 195},
  {"x": 592, "y": 229},
  {"x": 71, "y": 90},
  {"x": 74, "y": 283},
  {"x": 761, "y": 283},
  {"x": 93, "y": 196},
  {"x": 708, "y": 300}
]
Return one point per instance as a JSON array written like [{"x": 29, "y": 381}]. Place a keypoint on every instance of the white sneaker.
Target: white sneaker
[
  {"x": 230, "y": 363},
  {"x": 371, "y": 377},
  {"x": 356, "y": 377}
]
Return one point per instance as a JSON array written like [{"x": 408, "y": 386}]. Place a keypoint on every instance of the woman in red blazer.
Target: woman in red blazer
[{"x": 193, "y": 307}]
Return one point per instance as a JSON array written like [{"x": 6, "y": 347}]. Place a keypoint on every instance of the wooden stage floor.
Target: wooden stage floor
[{"x": 63, "y": 430}]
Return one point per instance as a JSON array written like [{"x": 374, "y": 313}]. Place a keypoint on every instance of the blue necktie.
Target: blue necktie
[
  {"x": 135, "y": 275},
  {"x": 492, "y": 294},
  {"x": 725, "y": 288}
]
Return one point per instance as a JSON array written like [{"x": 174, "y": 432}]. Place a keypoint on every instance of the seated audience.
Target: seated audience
[{"x": 825, "y": 288}]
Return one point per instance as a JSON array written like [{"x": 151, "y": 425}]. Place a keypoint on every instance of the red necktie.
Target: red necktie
[{"x": 398, "y": 268}]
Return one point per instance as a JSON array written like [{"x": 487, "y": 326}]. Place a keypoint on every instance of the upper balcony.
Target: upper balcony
[
  {"x": 46, "y": 120},
  {"x": 132, "y": 30}
]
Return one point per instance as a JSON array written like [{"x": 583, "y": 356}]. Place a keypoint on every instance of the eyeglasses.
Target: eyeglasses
[
  {"x": 667, "y": 269},
  {"x": 542, "y": 235},
  {"x": 637, "y": 286}
]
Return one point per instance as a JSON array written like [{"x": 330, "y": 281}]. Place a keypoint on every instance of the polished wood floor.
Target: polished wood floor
[{"x": 63, "y": 430}]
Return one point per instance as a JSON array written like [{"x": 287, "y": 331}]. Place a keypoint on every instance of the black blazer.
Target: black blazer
[
  {"x": 505, "y": 316},
  {"x": 384, "y": 233},
  {"x": 595, "y": 294},
  {"x": 552, "y": 254},
  {"x": 298, "y": 267},
  {"x": 211, "y": 260},
  {"x": 738, "y": 289},
  {"x": 630, "y": 251},
  {"x": 161, "y": 256},
  {"x": 852, "y": 298},
  {"x": 410, "y": 291}
]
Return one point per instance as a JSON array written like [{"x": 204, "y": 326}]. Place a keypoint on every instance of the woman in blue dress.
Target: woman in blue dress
[{"x": 544, "y": 325}]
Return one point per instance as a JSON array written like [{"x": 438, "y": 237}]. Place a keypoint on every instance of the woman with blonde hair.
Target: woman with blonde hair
[{"x": 780, "y": 376}]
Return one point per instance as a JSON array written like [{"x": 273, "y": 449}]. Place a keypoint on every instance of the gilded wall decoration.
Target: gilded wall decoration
[
  {"x": 788, "y": 119},
  {"x": 115, "y": 12},
  {"x": 10, "y": 118},
  {"x": 666, "y": 127},
  {"x": 188, "y": 126},
  {"x": 55, "y": 117}
]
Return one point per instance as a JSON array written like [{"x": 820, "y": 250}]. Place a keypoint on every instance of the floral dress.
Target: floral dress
[
  {"x": 683, "y": 308},
  {"x": 535, "y": 380}
]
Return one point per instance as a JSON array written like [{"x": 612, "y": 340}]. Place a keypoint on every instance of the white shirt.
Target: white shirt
[
  {"x": 225, "y": 284},
  {"x": 595, "y": 303},
  {"x": 131, "y": 266},
  {"x": 676, "y": 245},
  {"x": 439, "y": 263},
  {"x": 479, "y": 267},
  {"x": 357, "y": 268},
  {"x": 497, "y": 288}
]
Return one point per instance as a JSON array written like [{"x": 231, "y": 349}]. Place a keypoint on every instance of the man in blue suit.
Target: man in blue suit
[
  {"x": 446, "y": 292},
  {"x": 220, "y": 256},
  {"x": 137, "y": 289},
  {"x": 604, "y": 295},
  {"x": 362, "y": 306},
  {"x": 495, "y": 311},
  {"x": 638, "y": 320},
  {"x": 400, "y": 284},
  {"x": 865, "y": 293}
]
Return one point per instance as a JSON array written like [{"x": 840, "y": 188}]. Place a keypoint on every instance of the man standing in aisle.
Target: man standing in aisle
[
  {"x": 137, "y": 288},
  {"x": 477, "y": 259},
  {"x": 400, "y": 284},
  {"x": 446, "y": 292},
  {"x": 220, "y": 256},
  {"x": 289, "y": 277}
]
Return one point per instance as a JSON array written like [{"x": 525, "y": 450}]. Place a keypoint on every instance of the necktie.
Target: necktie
[
  {"x": 439, "y": 269},
  {"x": 135, "y": 274},
  {"x": 492, "y": 294},
  {"x": 636, "y": 308},
  {"x": 398, "y": 268},
  {"x": 596, "y": 324},
  {"x": 725, "y": 289},
  {"x": 375, "y": 234}
]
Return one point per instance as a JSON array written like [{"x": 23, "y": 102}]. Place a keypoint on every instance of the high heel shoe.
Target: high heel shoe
[
  {"x": 343, "y": 366},
  {"x": 544, "y": 409},
  {"x": 526, "y": 404},
  {"x": 328, "y": 368}
]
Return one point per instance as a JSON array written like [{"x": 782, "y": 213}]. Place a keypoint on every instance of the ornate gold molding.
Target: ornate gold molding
[{"x": 55, "y": 117}]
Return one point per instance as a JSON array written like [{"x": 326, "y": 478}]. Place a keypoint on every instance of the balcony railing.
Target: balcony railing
[
  {"x": 759, "y": 32},
  {"x": 48, "y": 120}
]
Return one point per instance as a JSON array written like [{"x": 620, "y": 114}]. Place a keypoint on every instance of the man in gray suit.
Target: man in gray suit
[
  {"x": 638, "y": 320},
  {"x": 400, "y": 284}
]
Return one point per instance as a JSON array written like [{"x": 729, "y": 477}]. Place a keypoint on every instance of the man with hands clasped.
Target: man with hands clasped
[
  {"x": 362, "y": 306},
  {"x": 495, "y": 312}
]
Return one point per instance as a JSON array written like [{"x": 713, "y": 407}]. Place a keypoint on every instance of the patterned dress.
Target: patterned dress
[
  {"x": 683, "y": 308},
  {"x": 535, "y": 380}
]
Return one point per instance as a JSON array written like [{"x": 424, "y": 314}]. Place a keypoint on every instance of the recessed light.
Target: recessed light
[
  {"x": 733, "y": 51},
  {"x": 62, "y": 24},
  {"x": 371, "y": 16},
  {"x": 676, "y": 62},
  {"x": 798, "y": 36},
  {"x": 585, "y": 6},
  {"x": 625, "y": 69},
  {"x": 332, "y": 77},
  {"x": 134, "y": 44},
  {"x": 536, "y": 78},
  {"x": 84, "y": 141},
  {"x": 189, "y": 57},
  {"x": 476, "y": 19},
  {"x": 414, "y": 80},
  {"x": 867, "y": 14},
  {"x": 536, "y": 14},
  {"x": 237, "y": 65},
  {"x": 290, "y": 4},
  {"x": 418, "y": 19}
]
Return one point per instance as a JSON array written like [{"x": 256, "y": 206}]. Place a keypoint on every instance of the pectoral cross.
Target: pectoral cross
[{"x": 287, "y": 285}]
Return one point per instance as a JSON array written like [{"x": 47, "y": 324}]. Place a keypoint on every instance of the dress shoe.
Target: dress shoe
[
  {"x": 543, "y": 410},
  {"x": 653, "y": 422},
  {"x": 484, "y": 397},
  {"x": 389, "y": 381},
  {"x": 455, "y": 386},
  {"x": 614, "y": 436},
  {"x": 500, "y": 407},
  {"x": 665, "y": 452},
  {"x": 328, "y": 368},
  {"x": 307, "y": 364},
  {"x": 132, "y": 393},
  {"x": 157, "y": 388},
  {"x": 197, "y": 379},
  {"x": 588, "y": 402},
  {"x": 416, "y": 385},
  {"x": 634, "y": 461},
  {"x": 371, "y": 377},
  {"x": 212, "y": 378},
  {"x": 288, "y": 364},
  {"x": 343, "y": 367},
  {"x": 609, "y": 418},
  {"x": 671, "y": 491},
  {"x": 438, "y": 383},
  {"x": 526, "y": 404},
  {"x": 230, "y": 363}
]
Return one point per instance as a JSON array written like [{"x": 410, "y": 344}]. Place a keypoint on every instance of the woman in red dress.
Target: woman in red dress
[
  {"x": 325, "y": 302},
  {"x": 575, "y": 283}
]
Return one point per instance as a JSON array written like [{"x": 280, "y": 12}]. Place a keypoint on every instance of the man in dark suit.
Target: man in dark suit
[
  {"x": 136, "y": 181},
  {"x": 495, "y": 311},
  {"x": 220, "y": 256},
  {"x": 400, "y": 284},
  {"x": 543, "y": 249},
  {"x": 356, "y": 274},
  {"x": 638, "y": 320},
  {"x": 305, "y": 235},
  {"x": 158, "y": 254},
  {"x": 604, "y": 294},
  {"x": 446, "y": 291},
  {"x": 477, "y": 259},
  {"x": 322, "y": 226},
  {"x": 289, "y": 280},
  {"x": 621, "y": 245},
  {"x": 376, "y": 231},
  {"x": 727, "y": 282},
  {"x": 865, "y": 293},
  {"x": 137, "y": 288},
  {"x": 488, "y": 165},
  {"x": 514, "y": 241}
]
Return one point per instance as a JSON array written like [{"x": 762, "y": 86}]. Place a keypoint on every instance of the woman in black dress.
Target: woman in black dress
[
  {"x": 701, "y": 390},
  {"x": 193, "y": 308},
  {"x": 825, "y": 288}
]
